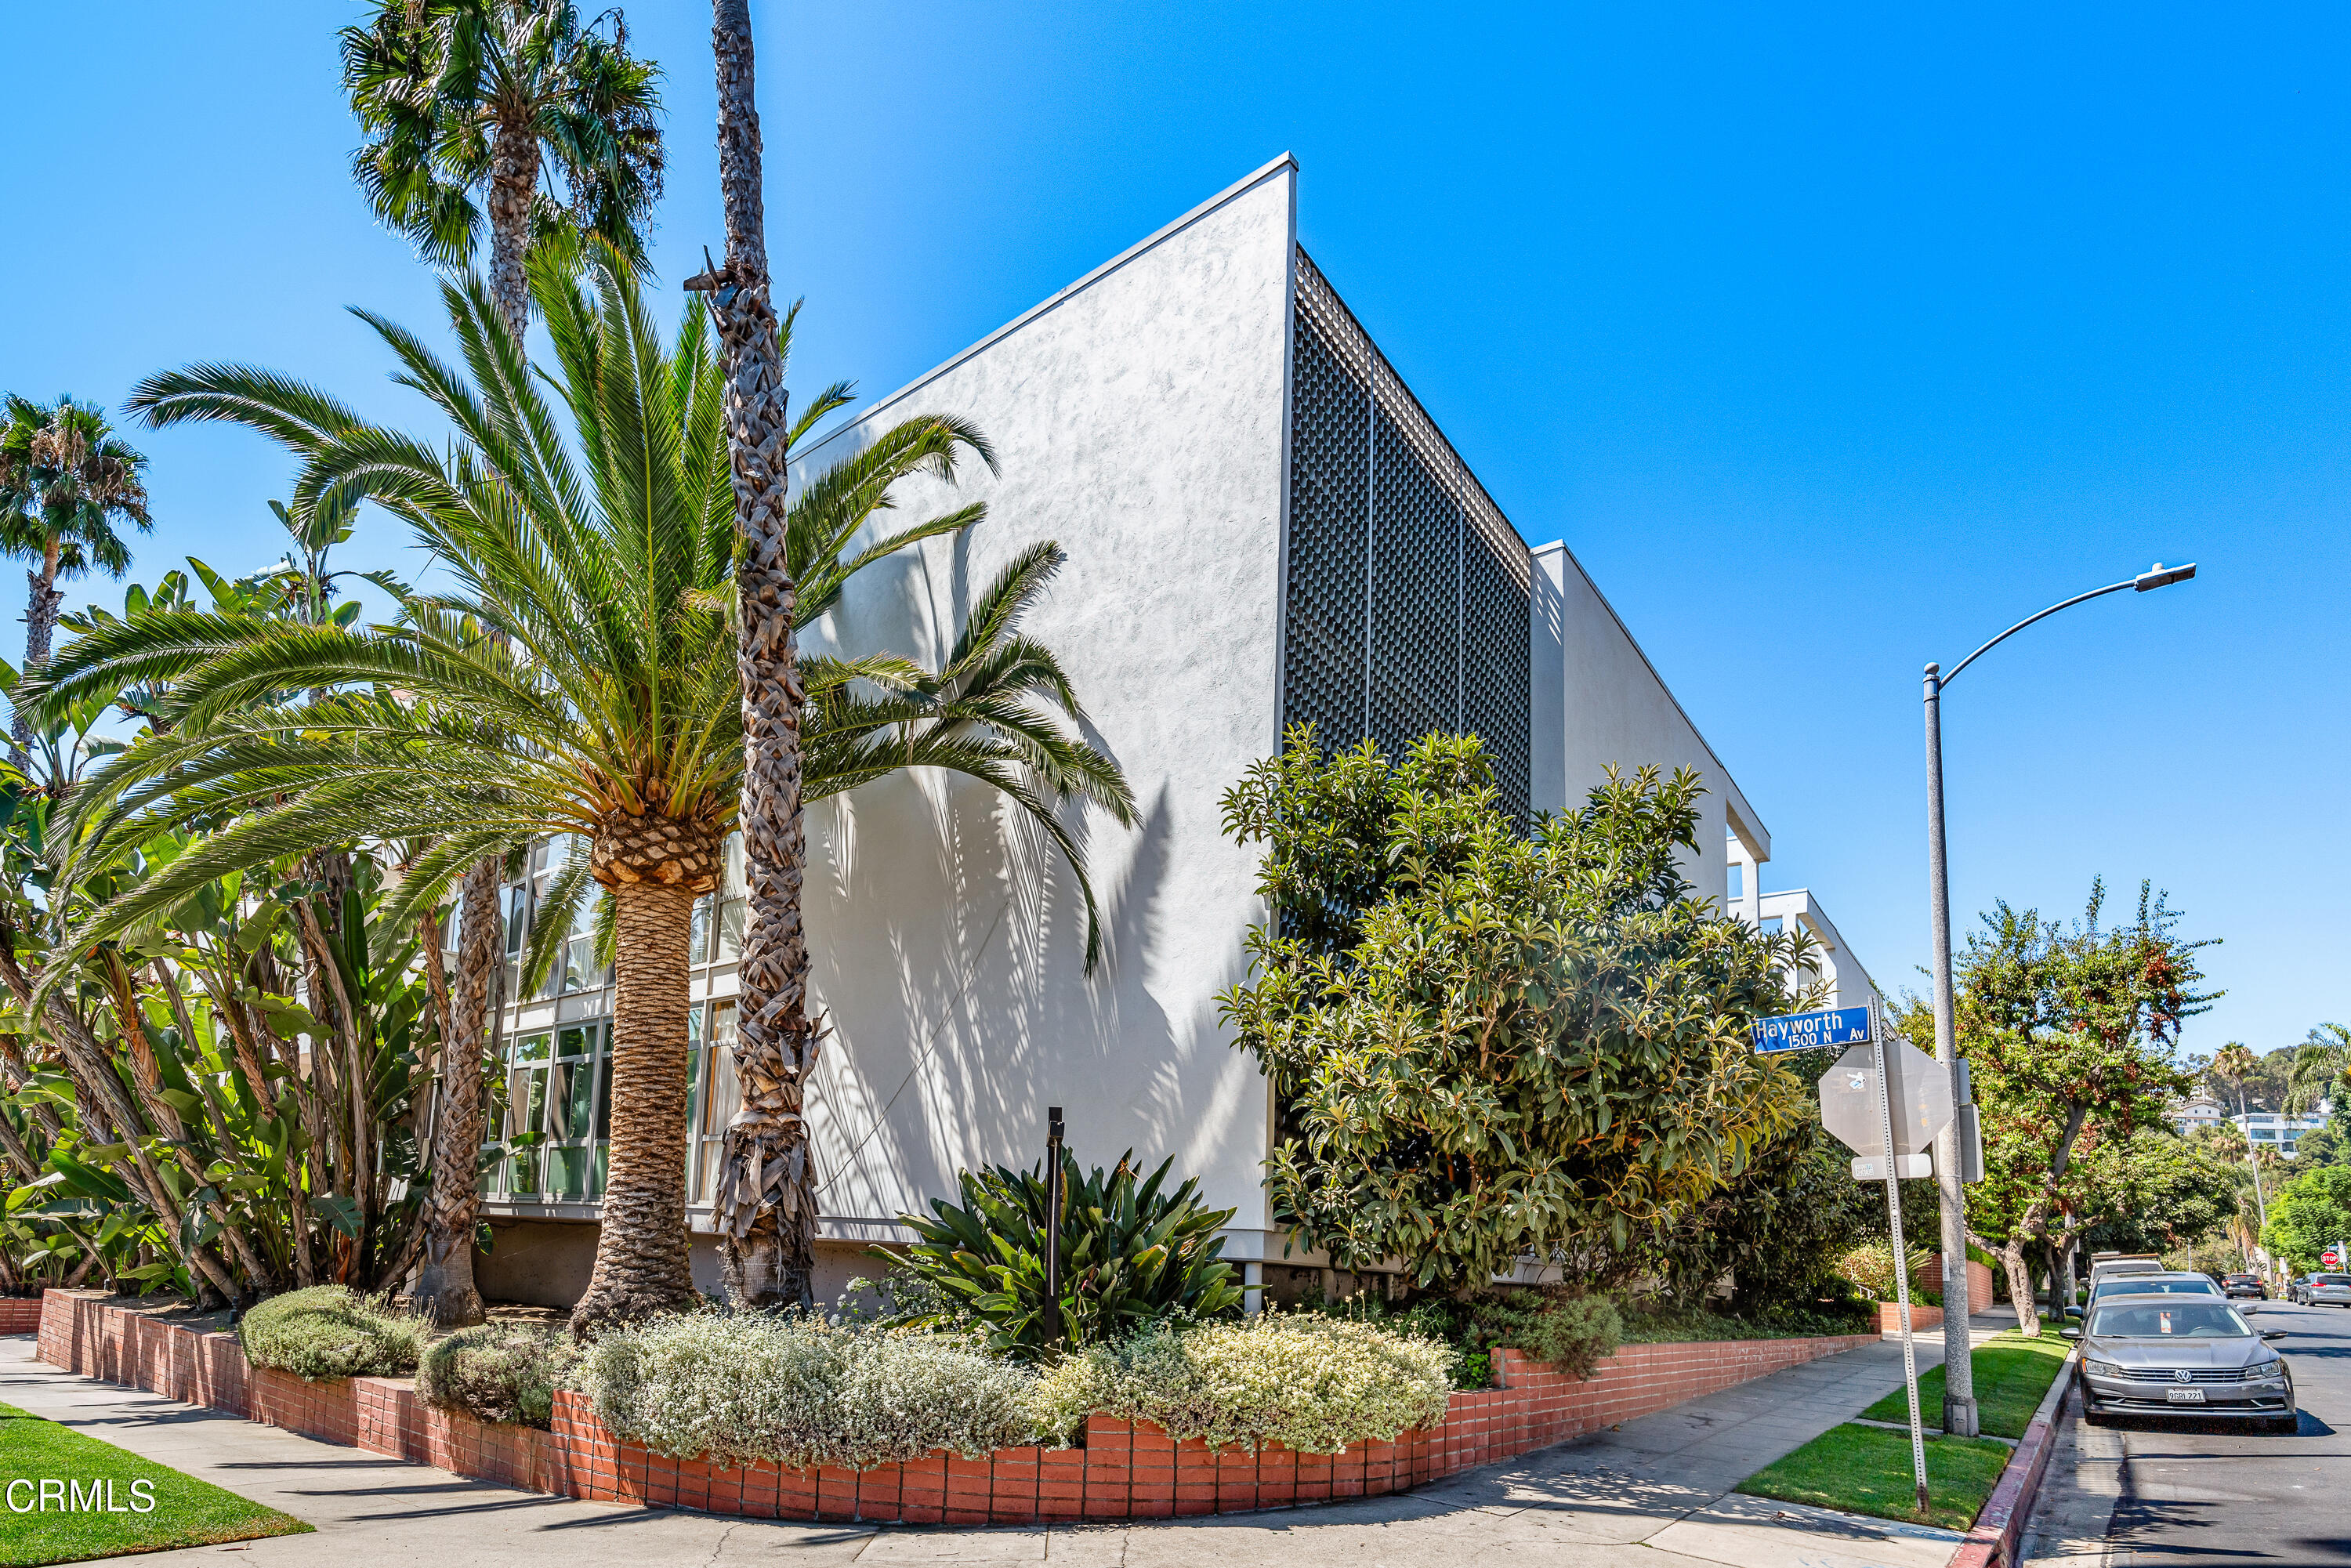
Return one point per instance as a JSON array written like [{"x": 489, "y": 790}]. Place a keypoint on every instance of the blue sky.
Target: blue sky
[{"x": 1831, "y": 340}]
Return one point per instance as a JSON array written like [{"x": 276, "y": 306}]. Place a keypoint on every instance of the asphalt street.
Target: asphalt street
[{"x": 2178, "y": 1494}]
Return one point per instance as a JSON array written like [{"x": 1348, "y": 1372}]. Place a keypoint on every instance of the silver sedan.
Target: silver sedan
[{"x": 2181, "y": 1356}]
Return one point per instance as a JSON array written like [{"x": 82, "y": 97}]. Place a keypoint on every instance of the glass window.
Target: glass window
[
  {"x": 734, "y": 883},
  {"x": 697, "y": 941},
  {"x": 2129, "y": 1286},
  {"x": 603, "y": 1097},
  {"x": 730, "y": 930},
  {"x": 2169, "y": 1320},
  {"x": 522, "y": 1174},
  {"x": 530, "y": 1047},
  {"x": 573, "y": 1097},
  {"x": 567, "y": 1173}
]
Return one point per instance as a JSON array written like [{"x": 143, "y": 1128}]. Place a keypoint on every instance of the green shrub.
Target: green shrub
[
  {"x": 802, "y": 1392},
  {"x": 1130, "y": 1255},
  {"x": 1565, "y": 1332},
  {"x": 1315, "y": 1384},
  {"x": 329, "y": 1331},
  {"x": 1869, "y": 1270},
  {"x": 504, "y": 1373}
]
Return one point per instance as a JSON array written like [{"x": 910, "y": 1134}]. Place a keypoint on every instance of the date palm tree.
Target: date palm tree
[
  {"x": 456, "y": 96},
  {"x": 67, "y": 483},
  {"x": 579, "y": 679},
  {"x": 460, "y": 97}
]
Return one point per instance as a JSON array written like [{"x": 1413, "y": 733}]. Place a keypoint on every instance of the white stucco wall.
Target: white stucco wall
[
  {"x": 1138, "y": 417},
  {"x": 1597, "y": 700}
]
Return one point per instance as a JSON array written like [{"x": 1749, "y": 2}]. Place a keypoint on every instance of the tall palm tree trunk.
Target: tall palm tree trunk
[
  {"x": 514, "y": 182},
  {"x": 655, "y": 868},
  {"x": 445, "y": 1286},
  {"x": 43, "y": 601},
  {"x": 765, "y": 1196}
]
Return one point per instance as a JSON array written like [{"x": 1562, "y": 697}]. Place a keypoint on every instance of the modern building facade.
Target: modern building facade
[
  {"x": 2274, "y": 1130},
  {"x": 1834, "y": 964},
  {"x": 1264, "y": 527}
]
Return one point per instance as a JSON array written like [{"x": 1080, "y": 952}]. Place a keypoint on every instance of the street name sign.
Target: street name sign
[
  {"x": 1802, "y": 1031},
  {"x": 1872, "y": 1167},
  {"x": 1921, "y": 1096}
]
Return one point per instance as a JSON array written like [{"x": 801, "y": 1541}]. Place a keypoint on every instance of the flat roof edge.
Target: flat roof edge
[{"x": 1231, "y": 193}]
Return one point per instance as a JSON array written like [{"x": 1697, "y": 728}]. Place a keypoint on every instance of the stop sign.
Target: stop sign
[{"x": 2330, "y": 1258}]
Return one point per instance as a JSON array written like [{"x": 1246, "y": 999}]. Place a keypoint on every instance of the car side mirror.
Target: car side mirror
[
  {"x": 2072, "y": 1312},
  {"x": 2275, "y": 1333},
  {"x": 2069, "y": 1333}
]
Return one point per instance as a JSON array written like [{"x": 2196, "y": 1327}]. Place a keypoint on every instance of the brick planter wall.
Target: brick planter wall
[
  {"x": 1122, "y": 1470},
  {"x": 1922, "y": 1318},
  {"x": 20, "y": 1314}
]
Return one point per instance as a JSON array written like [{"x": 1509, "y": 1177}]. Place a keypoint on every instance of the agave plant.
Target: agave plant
[{"x": 1131, "y": 1254}]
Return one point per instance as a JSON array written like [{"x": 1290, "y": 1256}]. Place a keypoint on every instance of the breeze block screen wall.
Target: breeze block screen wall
[{"x": 1407, "y": 604}]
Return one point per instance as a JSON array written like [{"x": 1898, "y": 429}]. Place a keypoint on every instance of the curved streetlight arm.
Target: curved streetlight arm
[
  {"x": 2157, "y": 576},
  {"x": 2068, "y": 604}
]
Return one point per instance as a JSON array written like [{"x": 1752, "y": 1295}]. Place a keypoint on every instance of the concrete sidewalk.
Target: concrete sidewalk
[{"x": 1654, "y": 1491}]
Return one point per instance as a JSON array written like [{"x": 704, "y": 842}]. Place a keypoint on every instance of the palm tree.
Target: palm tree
[
  {"x": 2234, "y": 1064},
  {"x": 67, "y": 482},
  {"x": 2322, "y": 1068},
  {"x": 455, "y": 96},
  {"x": 459, "y": 96},
  {"x": 579, "y": 679},
  {"x": 765, "y": 1194}
]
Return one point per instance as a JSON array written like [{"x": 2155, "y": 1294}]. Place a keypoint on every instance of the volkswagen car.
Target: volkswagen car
[{"x": 2180, "y": 1354}]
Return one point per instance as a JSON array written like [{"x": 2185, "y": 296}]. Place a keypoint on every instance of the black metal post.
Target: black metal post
[{"x": 1053, "y": 1224}]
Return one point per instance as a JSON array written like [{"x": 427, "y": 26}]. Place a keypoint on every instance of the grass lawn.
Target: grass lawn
[
  {"x": 2012, "y": 1374},
  {"x": 1867, "y": 1470},
  {"x": 185, "y": 1513}
]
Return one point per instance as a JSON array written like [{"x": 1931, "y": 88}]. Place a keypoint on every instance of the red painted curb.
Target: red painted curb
[{"x": 2001, "y": 1524}]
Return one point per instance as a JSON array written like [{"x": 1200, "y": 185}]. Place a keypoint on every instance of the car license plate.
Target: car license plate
[{"x": 2184, "y": 1395}]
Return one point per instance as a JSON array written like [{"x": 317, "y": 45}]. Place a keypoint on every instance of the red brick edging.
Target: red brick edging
[
  {"x": 1122, "y": 1470},
  {"x": 20, "y": 1314}
]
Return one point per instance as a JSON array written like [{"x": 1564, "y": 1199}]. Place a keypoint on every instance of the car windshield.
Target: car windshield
[
  {"x": 2147, "y": 1287},
  {"x": 2163, "y": 1320}
]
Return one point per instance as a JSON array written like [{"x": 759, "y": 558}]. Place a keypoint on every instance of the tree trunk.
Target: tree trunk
[
  {"x": 765, "y": 1198},
  {"x": 2019, "y": 1287},
  {"x": 42, "y": 602},
  {"x": 444, "y": 1284},
  {"x": 655, "y": 868},
  {"x": 514, "y": 184}
]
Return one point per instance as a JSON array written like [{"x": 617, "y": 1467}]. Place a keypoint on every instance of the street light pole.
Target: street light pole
[{"x": 1959, "y": 1417}]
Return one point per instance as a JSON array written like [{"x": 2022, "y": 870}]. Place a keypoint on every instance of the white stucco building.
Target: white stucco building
[{"x": 1263, "y": 527}]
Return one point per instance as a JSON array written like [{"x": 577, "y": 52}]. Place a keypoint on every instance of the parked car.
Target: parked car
[
  {"x": 2234, "y": 1285},
  {"x": 2297, "y": 1290},
  {"x": 2327, "y": 1291},
  {"x": 2175, "y": 1355},
  {"x": 2164, "y": 1284}
]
